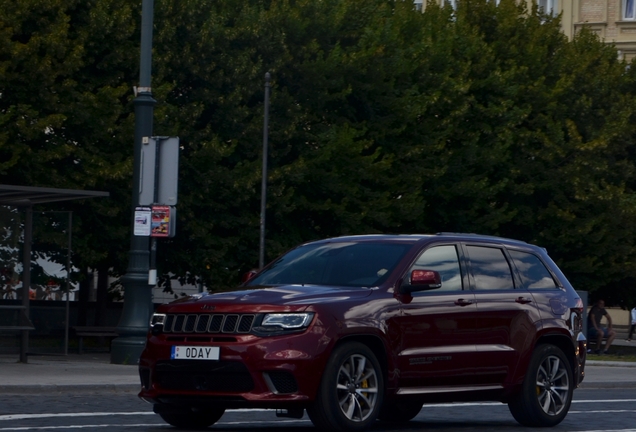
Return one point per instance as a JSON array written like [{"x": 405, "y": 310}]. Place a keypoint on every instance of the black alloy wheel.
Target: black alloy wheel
[
  {"x": 546, "y": 393},
  {"x": 351, "y": 390}
]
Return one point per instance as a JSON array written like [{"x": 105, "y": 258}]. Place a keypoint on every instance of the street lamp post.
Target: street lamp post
[
  {"x": 133, "y": 325},
  {"x": 261, "y": 254}
]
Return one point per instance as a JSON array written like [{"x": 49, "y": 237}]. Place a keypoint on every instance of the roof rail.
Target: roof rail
[{"x": 484, "y": 236}]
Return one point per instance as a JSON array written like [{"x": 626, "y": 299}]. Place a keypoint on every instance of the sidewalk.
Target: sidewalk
[{"x": 76, "y": 373}]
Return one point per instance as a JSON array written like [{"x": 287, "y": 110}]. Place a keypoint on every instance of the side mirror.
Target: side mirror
[
  {"x": 248, "y": 275},
  {"x": 421, "y": 280}
]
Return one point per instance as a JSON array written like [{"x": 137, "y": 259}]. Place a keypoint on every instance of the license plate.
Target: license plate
[{"x": 195, "y": 353}]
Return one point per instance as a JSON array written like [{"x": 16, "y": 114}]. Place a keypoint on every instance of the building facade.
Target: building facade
[{"x": 614, "y": 21}]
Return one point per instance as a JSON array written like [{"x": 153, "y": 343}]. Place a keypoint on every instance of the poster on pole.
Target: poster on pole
[
  {"x": 161, "y": 221},
  {"x": 142, "y": 221}
]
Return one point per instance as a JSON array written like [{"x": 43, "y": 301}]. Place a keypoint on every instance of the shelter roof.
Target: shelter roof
[{"x": 20, "y": 196}]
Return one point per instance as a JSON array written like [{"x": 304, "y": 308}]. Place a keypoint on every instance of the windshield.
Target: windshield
[{"x": 363, "y": 264}]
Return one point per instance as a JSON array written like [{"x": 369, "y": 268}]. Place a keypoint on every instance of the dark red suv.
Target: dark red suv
[{"x": 364, "y": 328}]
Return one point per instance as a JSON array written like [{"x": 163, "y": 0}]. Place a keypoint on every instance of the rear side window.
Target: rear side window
[
  {"x": 533, "y": 272},
  {"x": 445, "y": 261},
  {"x": 490, "y": 268}
]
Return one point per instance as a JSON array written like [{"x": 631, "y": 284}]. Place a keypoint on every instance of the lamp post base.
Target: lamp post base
[{"x": 127, "y": 350}]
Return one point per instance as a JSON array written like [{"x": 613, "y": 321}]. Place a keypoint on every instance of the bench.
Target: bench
[
  {"x": 86, "y": 331},
  {"x": 17, "y": 321}
]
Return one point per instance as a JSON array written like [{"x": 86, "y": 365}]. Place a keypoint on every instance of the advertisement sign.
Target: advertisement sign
[
  {"x": 142, "y": 221},
  {"x": 161, "y": 221}
]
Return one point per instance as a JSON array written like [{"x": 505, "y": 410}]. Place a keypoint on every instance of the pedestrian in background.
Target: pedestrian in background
[
  {"x": 597, "y": 332},
  {"x": 633, "y": 326}
]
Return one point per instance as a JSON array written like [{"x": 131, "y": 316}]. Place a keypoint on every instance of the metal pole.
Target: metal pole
[
  {"x": 133, "y": 324},
  {"x": 261, "y": 256},
  {"x": 152, "y": 272},
  {"x": 26, "y": 279},
  {"x": 68, "y": 280}
]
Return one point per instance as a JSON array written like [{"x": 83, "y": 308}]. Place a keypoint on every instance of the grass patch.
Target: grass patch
[{"x": 617, "y": 353}]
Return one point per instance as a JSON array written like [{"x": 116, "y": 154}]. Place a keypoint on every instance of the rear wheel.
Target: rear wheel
[
  {"x": 187, "y": 418},
  {"x": 351, "y": 390},
  {"x": 546, "y": 392}
]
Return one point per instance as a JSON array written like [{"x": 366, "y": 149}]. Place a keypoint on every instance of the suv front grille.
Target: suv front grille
[
  {"x": 201, "y": 375},
  {"x": 208, "y": 323}
]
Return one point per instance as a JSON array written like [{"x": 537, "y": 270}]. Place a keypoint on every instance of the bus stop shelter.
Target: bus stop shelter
[{"x": 24, "y": 198}]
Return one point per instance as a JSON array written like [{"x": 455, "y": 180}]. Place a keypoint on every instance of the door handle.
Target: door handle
[
  {"x": 462, "y": 302},
  {"x": 523, "y": 300}
]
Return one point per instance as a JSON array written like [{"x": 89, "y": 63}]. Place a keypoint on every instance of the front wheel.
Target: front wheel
[
  {"x": 546, "y": 392},
  {"x": 186, "y": 418},
  {"x": 351, "y": 390}
]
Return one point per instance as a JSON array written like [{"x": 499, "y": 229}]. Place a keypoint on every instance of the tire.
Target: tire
[
  {"x": 186, "y": 418},
  {"x": 546, "y": 392},
  {"x": 350, "y": 392},
  {"x": 399, "y": 411}
]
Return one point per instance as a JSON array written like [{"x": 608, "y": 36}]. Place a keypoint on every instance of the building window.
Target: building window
[
  {"x": 453, "y": 3},
  {"x": 418, "y": 5},
  {"x": 550, "y": 7},
  {"x": 628, "y": 10}
]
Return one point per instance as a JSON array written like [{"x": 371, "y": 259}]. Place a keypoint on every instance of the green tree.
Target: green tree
[
  {"x": 482, "y": 119},
  {"x": 65, "y": 112}
]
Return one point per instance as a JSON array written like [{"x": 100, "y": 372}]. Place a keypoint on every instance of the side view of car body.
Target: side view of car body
[{"x": 364, "y": 328}]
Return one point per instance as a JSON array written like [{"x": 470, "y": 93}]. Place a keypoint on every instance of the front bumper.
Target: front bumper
[{"x": 255, "y": 372}]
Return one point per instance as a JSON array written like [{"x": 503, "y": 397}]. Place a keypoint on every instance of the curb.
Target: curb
[
  {"x": 72, "y": 388},
  {"x": 609, "y": 363},
  {"x": 607, "y": 385}
]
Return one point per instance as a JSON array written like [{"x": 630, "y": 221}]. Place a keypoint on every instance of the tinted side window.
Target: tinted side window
[
  {"x": 490, "y": 268},
  {"x": 533, "y": 272},
  {"x": 445, "y": 261}
]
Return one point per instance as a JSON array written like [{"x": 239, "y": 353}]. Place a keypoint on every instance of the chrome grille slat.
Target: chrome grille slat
[
  {"x": 229, "y": 325},
  {"x": 208, "y": 323},
  {"x": 167, "y": 327},
  {"x": 178, "y": 323},
  {"x": 215, "y": 324},
  {"x": 245, "y": 324},
  {"x": 189, "y": 323},
  {"x": 202, "y": 323}
]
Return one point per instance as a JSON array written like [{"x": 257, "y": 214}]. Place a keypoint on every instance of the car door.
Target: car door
[
  {"x": 507, "y": 314},
  {"x": 437, "y": 326}
]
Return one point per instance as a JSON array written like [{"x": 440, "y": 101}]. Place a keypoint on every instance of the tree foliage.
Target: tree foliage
[{"x": 483, "y": 119}]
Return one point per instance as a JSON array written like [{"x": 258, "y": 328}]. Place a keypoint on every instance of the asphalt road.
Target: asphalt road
[{"x": 598, "y": 409}]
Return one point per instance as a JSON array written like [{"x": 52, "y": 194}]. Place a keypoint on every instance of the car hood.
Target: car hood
[{"x": 284, "y": 295}]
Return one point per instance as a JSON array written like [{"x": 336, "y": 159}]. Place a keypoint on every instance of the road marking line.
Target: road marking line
[
  {"x": 27, "y": 428},
  {"x": 35, "y": 416},
  {"x": 114, "y": 426},
  {"x": 464, "y": 404},
  {"x": 219, "y": 423},
  {"x": 601, "y": 411},
  {"x": 447, "y": 405},
  {"x": 90, "y": 414}
]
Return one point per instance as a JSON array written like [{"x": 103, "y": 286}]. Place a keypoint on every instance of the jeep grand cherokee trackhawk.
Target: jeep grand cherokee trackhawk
[{"x": 356, "y": 329}]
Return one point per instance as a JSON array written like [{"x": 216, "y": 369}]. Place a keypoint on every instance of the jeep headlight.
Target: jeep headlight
[{"x": 287, "y": 321}]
